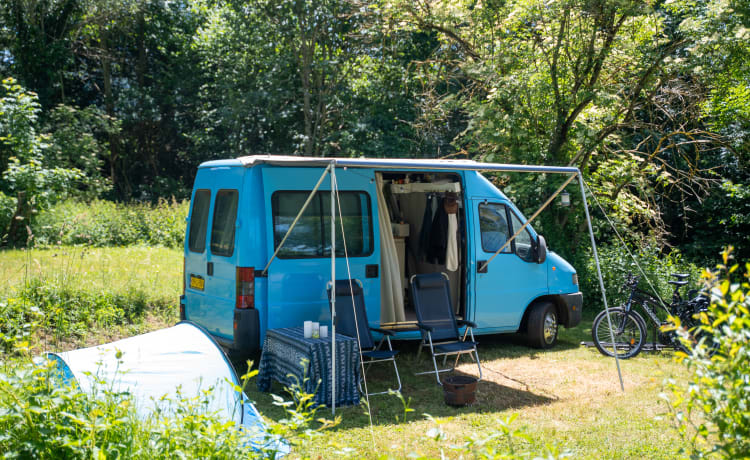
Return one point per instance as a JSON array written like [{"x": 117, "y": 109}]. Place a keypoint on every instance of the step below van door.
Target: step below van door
[
  {"x": 298, "y": 277},
  {"x": 504, "y": 289}
]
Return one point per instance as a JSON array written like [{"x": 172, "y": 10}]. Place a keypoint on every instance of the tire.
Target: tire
[
  {"x": 628, "y": 343},
  {"x": 542, "y": 325}
]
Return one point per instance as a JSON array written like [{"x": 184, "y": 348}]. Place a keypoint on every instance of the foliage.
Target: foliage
[
  {"x": 711, "y": 409},
  {"x": 33, "y": 184},
  {"x": 79, "y": 138},
  {"x": 104, "y": 223},
  {"x": 615, "y": 266},
  {"x": 44, "y": 418}
]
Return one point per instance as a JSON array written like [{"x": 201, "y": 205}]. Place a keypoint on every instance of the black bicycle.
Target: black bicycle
[{"x": 629, "y": 328}]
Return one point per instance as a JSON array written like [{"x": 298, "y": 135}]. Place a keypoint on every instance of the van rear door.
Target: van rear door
[
  {"x": 211, "y": 272},
  {"x": 298, "y": 277}
]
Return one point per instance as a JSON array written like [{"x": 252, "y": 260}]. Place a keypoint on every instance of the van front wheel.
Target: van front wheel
[{"x": 543, "y": 325}]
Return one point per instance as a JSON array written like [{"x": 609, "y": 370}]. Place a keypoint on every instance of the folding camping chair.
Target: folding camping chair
[
  {"x": 351, "y": 317},
  {"x": 437, "y": 322}
]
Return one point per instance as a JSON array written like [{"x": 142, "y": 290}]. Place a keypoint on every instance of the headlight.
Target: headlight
[{"x": 575, "y": 279}]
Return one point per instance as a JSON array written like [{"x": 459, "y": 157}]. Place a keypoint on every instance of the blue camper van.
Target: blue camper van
[{"x": 400, "y": 218}]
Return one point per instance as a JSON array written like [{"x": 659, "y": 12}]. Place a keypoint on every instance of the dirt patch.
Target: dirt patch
[{"x": 531, "y": 381}]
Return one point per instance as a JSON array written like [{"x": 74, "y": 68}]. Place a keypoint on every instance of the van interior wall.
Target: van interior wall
[{"x": 411, "y": 209}]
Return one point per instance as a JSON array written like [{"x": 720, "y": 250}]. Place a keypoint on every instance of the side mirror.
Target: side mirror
[{"x": 541, "y": 250}]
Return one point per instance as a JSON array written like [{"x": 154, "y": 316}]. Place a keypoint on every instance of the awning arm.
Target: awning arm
[
  {"x": 291, "y": 227},
  {"x": 528, "y": 221}
]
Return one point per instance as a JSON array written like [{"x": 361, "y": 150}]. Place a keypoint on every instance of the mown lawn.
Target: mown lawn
[{"x": 569, "y": 396}]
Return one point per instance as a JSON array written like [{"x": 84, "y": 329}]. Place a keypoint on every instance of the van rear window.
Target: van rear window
[
  {"x": 311, "y": 237},
  {"x": 199, "y": 220},
  {"x": 222, "y": 230}
]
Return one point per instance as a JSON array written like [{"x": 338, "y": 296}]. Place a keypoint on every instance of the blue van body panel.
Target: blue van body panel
[
  {"x": 297, "y": 288},
  {"x": 294, "y": 289},
  {"x": 560, "y": 275}
]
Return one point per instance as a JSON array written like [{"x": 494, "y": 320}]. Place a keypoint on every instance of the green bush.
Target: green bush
[
  {"x": 616, "y": 264},
  {"x": 42, "y": 418},
  {"x": 20, "y": 321},
  {"x": 712, "y": 410},
  {"x": 64, "y": 310},
  {"x": 105, "y": 223}
]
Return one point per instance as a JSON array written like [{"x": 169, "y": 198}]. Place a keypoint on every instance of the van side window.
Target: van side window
[
  {"x": 523, "y": 240},
  {"x": 312, "y": 235},
  {"x": 222, "y": 230},
  {"x": 493, "y": 224},
  {"x": 199, "y": 220}
]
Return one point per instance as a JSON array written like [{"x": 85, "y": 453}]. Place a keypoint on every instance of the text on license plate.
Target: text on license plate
[{"x": 196, "y": 282}]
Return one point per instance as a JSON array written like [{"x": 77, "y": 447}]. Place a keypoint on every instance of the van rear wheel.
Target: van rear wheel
[{"x": 542, "y": 325}]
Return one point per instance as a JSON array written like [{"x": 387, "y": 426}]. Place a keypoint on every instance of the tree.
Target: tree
[{"x": 28, "y": 184}]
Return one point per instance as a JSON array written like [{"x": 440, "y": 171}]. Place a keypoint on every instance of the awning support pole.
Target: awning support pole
[
  {"x": 333, "y": 286},
  {"x": 601, "y": 280}
]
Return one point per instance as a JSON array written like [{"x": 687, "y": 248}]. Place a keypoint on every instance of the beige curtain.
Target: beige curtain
[{"x": 391, "y": 289}]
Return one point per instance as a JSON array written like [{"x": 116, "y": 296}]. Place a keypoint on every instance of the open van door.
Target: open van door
[
  {"x": 298, "y": 277},
  {"x": 514, "y": 278}
]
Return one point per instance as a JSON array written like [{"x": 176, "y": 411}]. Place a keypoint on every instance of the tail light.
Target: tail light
[
  {"x": 184, "y": 275},
  {"x": 245, "y": 287}
]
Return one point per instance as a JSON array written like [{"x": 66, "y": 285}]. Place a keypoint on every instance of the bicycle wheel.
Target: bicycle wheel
[{"x": 628, "y": 342}]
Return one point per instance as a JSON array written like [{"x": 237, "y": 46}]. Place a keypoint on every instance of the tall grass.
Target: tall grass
[
  {"x": 87, "y": 295},
  {"x": 105, "y": 223}
]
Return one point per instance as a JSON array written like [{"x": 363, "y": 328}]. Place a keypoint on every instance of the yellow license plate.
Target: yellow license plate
[{"x": 196, "y": 282}]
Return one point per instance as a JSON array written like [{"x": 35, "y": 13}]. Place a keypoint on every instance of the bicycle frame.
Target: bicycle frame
[{"x": 643, "y": 299}]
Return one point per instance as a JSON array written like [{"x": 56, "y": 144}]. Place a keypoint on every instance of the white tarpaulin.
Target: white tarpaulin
[{"x": 158, "y": 364}]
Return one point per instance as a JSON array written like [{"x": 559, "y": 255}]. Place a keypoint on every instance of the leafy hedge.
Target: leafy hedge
[
  {"x": 105, "y": 223},
  {"x": 616, "y": 264}
]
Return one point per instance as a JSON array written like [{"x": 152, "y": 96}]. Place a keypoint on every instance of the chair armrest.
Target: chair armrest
[
  {"x": 383, "y": 331},
  {"x": 425, "y": 327},
  {"x": 463, "y": 322}
]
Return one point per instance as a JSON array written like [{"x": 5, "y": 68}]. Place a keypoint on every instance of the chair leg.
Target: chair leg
[
  {"x": 437, "y": 372},
  {"x": 398, "y": 377},
  {"x": 476, "y": 355}
]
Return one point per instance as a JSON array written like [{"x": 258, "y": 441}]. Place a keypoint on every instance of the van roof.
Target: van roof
[{"x": 386, "y": 163}]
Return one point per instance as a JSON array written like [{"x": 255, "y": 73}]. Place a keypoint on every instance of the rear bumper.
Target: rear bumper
[
  {"x": 246, "y": 331},
  {"x": 573, "y": 306}
]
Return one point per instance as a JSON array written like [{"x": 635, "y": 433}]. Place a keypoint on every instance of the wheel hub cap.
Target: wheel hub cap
[{"x": 550, "y": 327}]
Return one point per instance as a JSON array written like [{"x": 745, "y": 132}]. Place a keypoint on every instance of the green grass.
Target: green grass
[
  {"x": 92, "y": 295},
  {"x": 568, "y": 396}
]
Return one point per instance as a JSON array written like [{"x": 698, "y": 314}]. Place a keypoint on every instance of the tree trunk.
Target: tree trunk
[{"x": 109, "y": 106}]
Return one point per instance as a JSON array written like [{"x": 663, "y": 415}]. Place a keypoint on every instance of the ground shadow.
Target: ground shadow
[{"x": 496, "y": 392}]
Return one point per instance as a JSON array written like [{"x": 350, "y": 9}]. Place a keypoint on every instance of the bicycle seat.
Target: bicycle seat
[
  {"x": 677, "y": 283},
  {"x": 680, "y": 276}
]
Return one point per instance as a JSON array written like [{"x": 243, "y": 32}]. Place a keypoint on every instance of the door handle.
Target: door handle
[
  {"x": 480, "y": 266},
  {"x": 210, "y": 268},
  {"x": 371, "y": 271}
]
